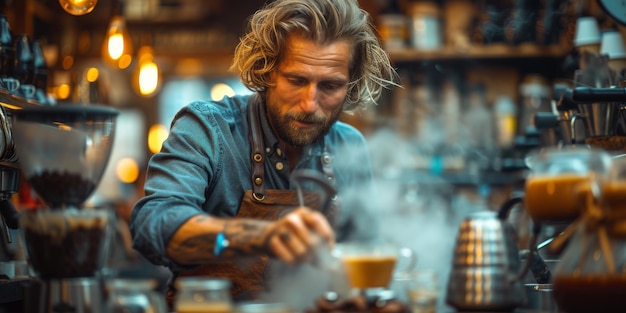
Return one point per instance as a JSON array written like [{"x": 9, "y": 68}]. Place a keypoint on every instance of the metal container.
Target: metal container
[
  {"x": 540, "y": 298},
  {"x": 485, "y": 266}
]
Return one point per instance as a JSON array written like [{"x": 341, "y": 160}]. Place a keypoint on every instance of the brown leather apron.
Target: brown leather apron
[{"x": 247, "y": 274}]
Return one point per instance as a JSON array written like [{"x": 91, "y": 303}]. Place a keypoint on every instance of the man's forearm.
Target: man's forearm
[{"x": 194, "y": 242}]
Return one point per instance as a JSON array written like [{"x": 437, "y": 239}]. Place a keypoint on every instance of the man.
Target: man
[{"x": 218, "y": 196}]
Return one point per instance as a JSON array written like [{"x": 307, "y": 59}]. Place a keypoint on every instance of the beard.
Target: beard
[{"x": 297, "y": 136}]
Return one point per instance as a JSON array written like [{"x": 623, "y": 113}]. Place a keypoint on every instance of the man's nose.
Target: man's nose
[{"x": 310, "y": 102}]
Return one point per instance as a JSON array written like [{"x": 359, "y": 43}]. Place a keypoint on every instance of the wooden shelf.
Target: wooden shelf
[{"x": 495, "y": 51}]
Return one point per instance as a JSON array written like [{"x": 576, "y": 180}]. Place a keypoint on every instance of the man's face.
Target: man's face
[{"x": 308, "y": 89}]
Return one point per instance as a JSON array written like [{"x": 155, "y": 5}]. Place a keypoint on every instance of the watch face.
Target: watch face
[{"x": 616, "y": 9}]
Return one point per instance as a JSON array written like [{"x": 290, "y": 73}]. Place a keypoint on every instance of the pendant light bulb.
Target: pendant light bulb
[
  {"x": 78, "y": 7},
  {"x": 146, "y": 78},
  {"x": 117, "y": 47}
]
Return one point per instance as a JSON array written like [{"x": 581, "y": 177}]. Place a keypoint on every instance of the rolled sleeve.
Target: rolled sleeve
[{"x": 175, "y": 187}]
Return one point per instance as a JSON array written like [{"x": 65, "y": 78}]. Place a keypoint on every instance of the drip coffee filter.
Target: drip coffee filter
[{"x": 591, "y": 274}]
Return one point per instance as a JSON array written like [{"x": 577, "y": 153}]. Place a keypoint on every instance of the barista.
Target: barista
[{"x": 218, "y": 199}]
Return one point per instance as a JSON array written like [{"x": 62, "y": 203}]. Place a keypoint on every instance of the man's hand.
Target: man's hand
[{"x": 295, "y": 237}]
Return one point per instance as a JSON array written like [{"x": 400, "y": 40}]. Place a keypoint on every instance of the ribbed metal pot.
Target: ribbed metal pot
[{"x": 485, "y": 266}]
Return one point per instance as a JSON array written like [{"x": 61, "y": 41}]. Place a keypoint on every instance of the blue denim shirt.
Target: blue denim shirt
[{"x": 205, "y": 166}]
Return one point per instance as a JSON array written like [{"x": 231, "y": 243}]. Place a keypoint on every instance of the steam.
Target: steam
[
  {"x": 417, "y": 210},
  {"x": 422, "y": 217}
]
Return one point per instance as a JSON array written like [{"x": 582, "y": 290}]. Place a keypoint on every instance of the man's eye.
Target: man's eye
[
  {"x": 297, "y": 81},
  {"x": 331, "y": 86}
]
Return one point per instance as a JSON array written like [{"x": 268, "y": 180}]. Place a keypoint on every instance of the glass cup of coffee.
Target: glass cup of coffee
[{"x": 372, "y": 265}]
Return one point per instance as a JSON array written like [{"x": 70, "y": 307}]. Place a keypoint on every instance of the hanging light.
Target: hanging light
[
  {"x": 117, "y": 47},
  {"x": 146, "y": 78},
  {"x": 78, "y": 7}
]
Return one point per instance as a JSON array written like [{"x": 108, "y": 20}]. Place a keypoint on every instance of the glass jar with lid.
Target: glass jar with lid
[
  {"x": 134, "y": 295},
  {"x": 203, "y": 294},
  {"x": 557, "y": 176}
]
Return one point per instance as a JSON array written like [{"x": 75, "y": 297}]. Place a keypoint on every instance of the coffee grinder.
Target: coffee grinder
[{"x": 63, "y": 151}]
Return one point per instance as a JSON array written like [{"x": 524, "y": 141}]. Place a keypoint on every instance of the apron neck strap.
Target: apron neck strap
[{"x": 256, "y": 143}]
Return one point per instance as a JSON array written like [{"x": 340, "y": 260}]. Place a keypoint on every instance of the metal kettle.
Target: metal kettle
[{"x": 486, "y": 266}]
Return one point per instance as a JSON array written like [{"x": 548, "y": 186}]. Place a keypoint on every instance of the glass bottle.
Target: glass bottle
[{"x": 203, "y": 294}]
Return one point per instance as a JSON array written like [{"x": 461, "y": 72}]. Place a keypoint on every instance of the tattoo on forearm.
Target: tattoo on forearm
[
  {"x": 198, "y": 249},
  {"x": 246, "y": 237}
]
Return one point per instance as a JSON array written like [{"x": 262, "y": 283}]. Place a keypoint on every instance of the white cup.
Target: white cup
[
  {"x": 613, "y": 45},
  {"x": 587, "y": 32}
]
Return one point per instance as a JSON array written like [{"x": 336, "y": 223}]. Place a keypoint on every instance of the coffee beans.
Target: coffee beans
[
  {"x": 608, "y": 143},
  {"x": 61, "y": 189},
  {"x": 64, "y": 244}
]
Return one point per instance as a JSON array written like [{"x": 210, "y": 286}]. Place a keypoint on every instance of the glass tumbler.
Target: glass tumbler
[
  {"x": 423, "y": 291},
  {"x": 134, "y": 296},
  {"x": 203, "y": 294}
]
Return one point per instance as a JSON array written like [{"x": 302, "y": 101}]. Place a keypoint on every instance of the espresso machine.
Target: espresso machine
[
  {"x": 13, "y": 266},
  {"x": 63, "y": 151}
]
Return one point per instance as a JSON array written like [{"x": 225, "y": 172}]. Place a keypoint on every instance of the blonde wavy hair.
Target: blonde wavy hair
[{"x": 324, "y": 21}]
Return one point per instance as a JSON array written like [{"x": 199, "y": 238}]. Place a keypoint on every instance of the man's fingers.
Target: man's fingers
[
  {"x": 279, "y": 250},
  {"x": 284, "y": 237},
  {"x": 287, "y": 246},
  {"x": 295, "y": 222},
  {"x": 318, "y": 223},
  {"x": 296, "y": 236}
]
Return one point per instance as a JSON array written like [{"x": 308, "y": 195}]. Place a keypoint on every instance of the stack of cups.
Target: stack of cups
[
  {"x": 613, "y": 46},
  {"x": 587, "y": 38}
]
